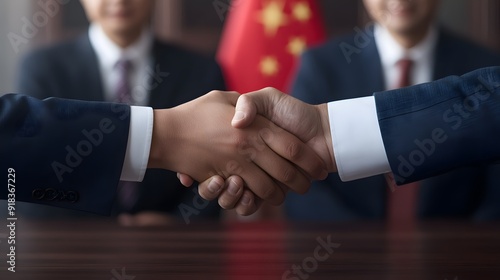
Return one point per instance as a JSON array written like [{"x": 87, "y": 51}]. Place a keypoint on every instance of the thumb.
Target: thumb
[
  {"x": 245, "y": 111},
  {"x": 258, "y": 102}
]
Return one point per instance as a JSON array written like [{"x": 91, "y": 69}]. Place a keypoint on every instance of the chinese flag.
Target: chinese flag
[{"x": 263, "y": 40}]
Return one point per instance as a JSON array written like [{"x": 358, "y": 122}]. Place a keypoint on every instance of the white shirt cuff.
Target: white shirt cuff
[
  {"x": 357, "y": 141},
  {"x": 139, "y": 144}
]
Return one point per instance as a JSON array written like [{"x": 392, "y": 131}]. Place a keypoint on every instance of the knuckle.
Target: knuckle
[
  {"x": 289, "y": 175},
  {"x": 214, "y": 92},
  {"x": 293, "y": 150},
  {"x": 211, "y": 94},
  {"x": 240, "y": 140},
  {"x": 245, "y": 98},
  {"x": 269, "y": 89}
]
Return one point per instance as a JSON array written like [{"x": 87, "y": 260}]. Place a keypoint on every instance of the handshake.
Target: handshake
[
  {"x": 244, "y": 149},
  {"x": 272, "y": 143}
]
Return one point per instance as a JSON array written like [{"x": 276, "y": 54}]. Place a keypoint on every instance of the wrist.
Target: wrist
[
  {"x": 325, "y": 124},
  {"x": 163, "y": 129}
]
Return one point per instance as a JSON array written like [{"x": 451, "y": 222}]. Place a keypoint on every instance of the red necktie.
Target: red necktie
[
  {"x": 402, "y": 200},
  {"x": 405, "y": 67}
]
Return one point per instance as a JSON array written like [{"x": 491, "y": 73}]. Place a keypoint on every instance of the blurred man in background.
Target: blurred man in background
[
  {"x": 120, "y": 60},
  {"x": 404, "y": 47}
]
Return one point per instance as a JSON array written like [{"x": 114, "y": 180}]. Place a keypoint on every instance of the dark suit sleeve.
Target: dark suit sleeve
[
  {"x": 432, "y": 128},
  {"x": 62, "y": 153}
]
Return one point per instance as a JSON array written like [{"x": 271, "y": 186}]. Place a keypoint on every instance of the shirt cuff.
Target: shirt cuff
[
  {"x": 357, "y": 141},
  {"x": 139, "y": 144}
]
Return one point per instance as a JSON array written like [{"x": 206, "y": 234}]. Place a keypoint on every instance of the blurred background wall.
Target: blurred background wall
[{"x": 198, "y": 24}]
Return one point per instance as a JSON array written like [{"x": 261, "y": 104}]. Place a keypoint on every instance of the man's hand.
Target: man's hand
[
  {"x": 308, "y": 122},
  {"x": 197, "y": 138}
]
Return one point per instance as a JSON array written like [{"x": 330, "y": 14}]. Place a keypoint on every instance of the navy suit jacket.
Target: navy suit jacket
[
  {"x": 432, "y": 128},
  {"x": 71, "y": 70},
  {"x": 49, "y": 157},
  {"x": 327, "y": 74}
]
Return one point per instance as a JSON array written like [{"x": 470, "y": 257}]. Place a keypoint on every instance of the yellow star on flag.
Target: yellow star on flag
[
  {"x": 301, "y": 11},
  {"x": 269, "y": 66},
  {"x": 273, "y": 16},
  {"x": 296, "y": 45}
]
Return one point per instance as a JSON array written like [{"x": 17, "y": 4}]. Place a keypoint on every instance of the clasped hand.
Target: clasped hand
[{"x": 256, "y": 149}]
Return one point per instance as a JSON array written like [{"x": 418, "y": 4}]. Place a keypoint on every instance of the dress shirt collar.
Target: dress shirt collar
[
  {"x": 391, "y": 51},
  {"x": 109, "y": 53}
]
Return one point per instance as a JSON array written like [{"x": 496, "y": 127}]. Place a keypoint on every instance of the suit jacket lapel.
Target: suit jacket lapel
[
  {"x": 162, "y": 89},
  {"x": 90, "y": 75},
  {"x": 443, "y": 65},
  {"x": 372, "y": 78}
]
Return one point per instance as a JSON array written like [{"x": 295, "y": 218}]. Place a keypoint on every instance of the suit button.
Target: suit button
[
  {"x": 72, "y": 196},
  {"x": 38, "y": 194}
]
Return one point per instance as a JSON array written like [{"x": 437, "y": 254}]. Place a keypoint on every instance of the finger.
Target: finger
[
  {"x": 244, "y": 113},
  {"x": 247, "y": 205},
  {"x": 294, "y": 150},
  {"x": 211, "y": 188},
  {"x": 282, "y": 170},
  {"x": 185, "y": 180},
  {"x": 284, "y": 188},
  {"x": 256, "y": 179},
  {"x": 261, "y": 183},
  {"x": 265, "y": 102},
  {"x": 232, "y": 192}
]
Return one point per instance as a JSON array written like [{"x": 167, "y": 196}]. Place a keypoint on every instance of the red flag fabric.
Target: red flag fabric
[{"x": 263, "y": 39}]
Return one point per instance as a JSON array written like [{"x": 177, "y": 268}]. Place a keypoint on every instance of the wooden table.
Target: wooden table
[{"x": 103, "y": 250}]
